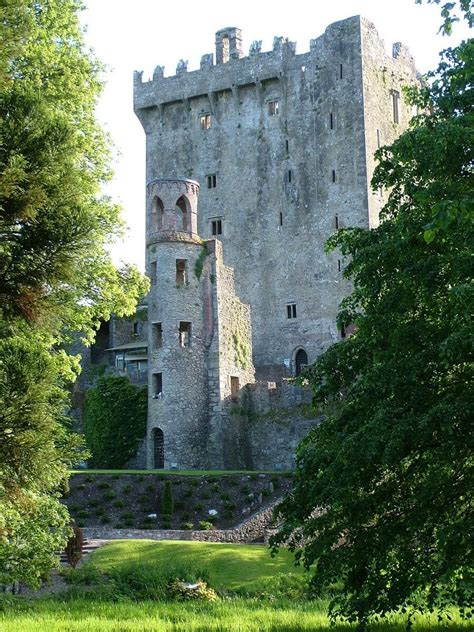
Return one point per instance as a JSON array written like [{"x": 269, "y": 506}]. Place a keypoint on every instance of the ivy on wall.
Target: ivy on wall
[
  {"x": 242, "y": 350},
  {"x": 114, "y": 421}
]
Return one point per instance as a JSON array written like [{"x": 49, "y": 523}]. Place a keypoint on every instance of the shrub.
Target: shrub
[
  {"x": 188, "y": 493},
  {"x": 85, "y": 575},
  {"x": 109, "y": 495},
  {"x": 244, "y": 490},
  {"x": 194, "y": 482},
  {"x": 229, "y": 505},
  {"x": 198, "y": 591},
  {"x": 82, "y": 513},
  {"x": 103, "y": 485},
  {"x": 73, "y": 548},
  {"x": 225, "y": 496},
  {"x": 127, "y": 489},
  {"x": 232, "y": 482},
  {"x": 150, "y": 488},
  {"x": 114, "y": 407},
  {"x": 187, "y": 525},
  {"x": 89, "y": 479},
  {"x": 167, "y": 502},
  {"x": 105, "y": 520},
  {"x": 198, "y": 507},
  {"x": 94, "y": 503},
  {"x": 215, "y": 487},
  {"x": 205, "y": 525},
  {"x": 119, "y": 504},
  {"x": 228, "y": 514},
  {"x": 265, "y": 493}
]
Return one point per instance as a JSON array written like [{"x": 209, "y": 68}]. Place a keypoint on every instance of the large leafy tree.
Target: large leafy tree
[
  {"x": 381, "y": 502},
  {"x": 57, "y": 279}
]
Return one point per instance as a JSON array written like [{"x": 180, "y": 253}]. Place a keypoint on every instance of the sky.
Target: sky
[{"x": 133, "y": 35}]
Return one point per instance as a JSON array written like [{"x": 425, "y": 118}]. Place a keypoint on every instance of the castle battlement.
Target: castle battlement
[{"x": 242, "y": 71}]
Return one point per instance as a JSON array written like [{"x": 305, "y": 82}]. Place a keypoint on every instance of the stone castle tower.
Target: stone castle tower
[
  {"x": 282, "y": 147},
  {"x": 199, "y": 340}
]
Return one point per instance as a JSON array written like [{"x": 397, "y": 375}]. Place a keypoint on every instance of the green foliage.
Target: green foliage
[
  {"x": 205, "y": 525},
  {"x": 114, "y": 421},
  {"x": 199, "y": 265},
  {"x": 167, "y": 501},
  {"x": 381, "y": 492},
  {"x": 184, "y": 591},
  {"x": 57, "y": 279},
  {"x": 74, "y": 547}
]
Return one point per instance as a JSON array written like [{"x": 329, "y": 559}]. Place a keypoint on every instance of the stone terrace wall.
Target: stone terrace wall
[{"x": 254, "y": 529}]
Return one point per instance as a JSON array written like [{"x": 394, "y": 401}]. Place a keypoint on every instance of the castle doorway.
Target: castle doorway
[
  {"x": 301, "y": 361},
  {"x": 158, "y": 449}
]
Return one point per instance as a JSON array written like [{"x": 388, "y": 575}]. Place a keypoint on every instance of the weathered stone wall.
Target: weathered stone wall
[
  {"x": 281, "y": 179},
  {"x": 254, "y": 529}
]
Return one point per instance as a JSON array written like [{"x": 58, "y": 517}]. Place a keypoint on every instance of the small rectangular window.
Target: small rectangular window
[
  {"x": 331, "y": 120},
  {"x": 184, "y": 334},
  {"x": 340, "y": 71},
  {"x": 205, "y": 121},
  {"x": 343, "y": 331},
  {"x": 378, "y": 138},
  {"x": 291, "y": 310},
  {"x": 216, "y": 227},
  {"x": 211, "y": 181},
  {"x": 338, "y": 265},
  {"x": 153, "y": 272},
  {"x": 273, "y": 107},
  {"x": 395, "y": 106},
  {"x": 136, "y": 328},
  {"x": 287, "y": 146},
  {"x": 281, "y": 218},
  {"x": 334, "y": 175},
  {"x": 181, "y": 272},
  {"x": 336, "y": 221},
  {"x": 156, "y": 335},
  {"x": 157, "y": 385},
  {"x": 234, "y": 388},
  {"x": 289, "y": 176}
]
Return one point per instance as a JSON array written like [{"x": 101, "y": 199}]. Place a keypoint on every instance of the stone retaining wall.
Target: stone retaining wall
[{"x": 254, "y": 529}]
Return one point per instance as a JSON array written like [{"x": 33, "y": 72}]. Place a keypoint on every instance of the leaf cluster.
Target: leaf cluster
[
  {"x": 114, "y": 421},
  {"x": 382, "y": 503}
]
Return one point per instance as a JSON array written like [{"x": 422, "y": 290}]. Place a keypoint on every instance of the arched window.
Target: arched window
[
  {"x": 182, "y": 206},
  {"x": 157, "y": 212},
  {"x": 301, "y": 361},
  {"x": 158, "y": 449}
]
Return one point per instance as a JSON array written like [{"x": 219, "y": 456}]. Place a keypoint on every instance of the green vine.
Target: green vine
[{"x": 199, "y": 265}]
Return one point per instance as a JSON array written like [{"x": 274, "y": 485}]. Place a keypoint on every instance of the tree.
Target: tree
[
  {"x": 57, "y": 279},
  {"x": 114, "y": 421},
  {"x": 381, "y": 502}
]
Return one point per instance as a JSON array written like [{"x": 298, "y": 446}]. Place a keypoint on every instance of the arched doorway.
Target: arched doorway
[
  {"x": 158, "y": 449},
  {"x": 301, "y": 361},
  {"x": 183, "y": 215}
]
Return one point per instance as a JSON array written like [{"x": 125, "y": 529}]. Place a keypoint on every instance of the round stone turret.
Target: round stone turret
[
  {"x": 177, "y": 388},
  {"x": 172, "y": 210}
]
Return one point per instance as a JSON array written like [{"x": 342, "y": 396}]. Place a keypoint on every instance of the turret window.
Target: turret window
[
  {"x": 181, "y": 271},
  {"x": 184, "y": 334},
  {"x": 157, "y": 385},
  {"x": 157, "y": 335}
]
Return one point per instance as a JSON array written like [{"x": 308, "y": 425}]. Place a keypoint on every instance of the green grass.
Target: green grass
[
  {"x": 101, "y": 607},
  {"x": 182, "y": 472},
  {"x": 233, "y": 567}
]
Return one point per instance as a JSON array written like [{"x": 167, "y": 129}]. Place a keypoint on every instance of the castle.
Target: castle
[{"x": 279, "y": 148}]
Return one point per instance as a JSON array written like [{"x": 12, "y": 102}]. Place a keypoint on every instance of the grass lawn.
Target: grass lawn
[{"x": 258, "y": 595}]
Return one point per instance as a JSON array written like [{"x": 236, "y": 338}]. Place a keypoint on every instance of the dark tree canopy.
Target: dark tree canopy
[{"x": 382, "y": 490}]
